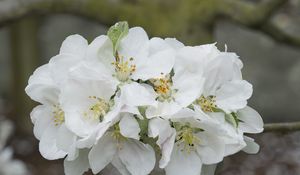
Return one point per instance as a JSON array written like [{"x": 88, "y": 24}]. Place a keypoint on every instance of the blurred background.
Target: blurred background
[{"x": 264, "y": 33}]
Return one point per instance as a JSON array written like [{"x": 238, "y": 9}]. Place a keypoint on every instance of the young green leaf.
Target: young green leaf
[{"x": 116, "y": 33}]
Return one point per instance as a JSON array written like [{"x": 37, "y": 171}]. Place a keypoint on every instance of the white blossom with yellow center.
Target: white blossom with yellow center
[
  {"x": 174, "y": 92},
  {"x": 121, "y": 147},
  {"x": 194, "y": 143},
  {"x": 56, "y": 140}
]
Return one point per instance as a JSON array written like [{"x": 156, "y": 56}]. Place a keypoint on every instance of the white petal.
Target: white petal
[
  {"x": 184, "y": 163},
  {"x": 233, "y": 95},
  {"x": 220, "y": 70},
  {"x": 116, "y": 162},
  {"x": 41, "y": 87},
  {"x": 158, "y": 45},
  {"x": 212, "y": 148},
  {"x": 41, "y": 117},
  {"x": 134, "y": 94},
  {"x": 138, "y": 158},
  {"x": 189, "y": 59},
  {"x": 100, "y": 89},
  {"x": 129, "y": 127},
  {"x": 251, "y": 120},
  {"x": 88, "y": 70},
  {"x": 166, "y": 150},
  {"x": 48, "y": 144},
  {"x": 233, "y": 139},
  {"x": 166, "y": 138},
  {"x": 65, "y": 139},
  {"x": 61, "y": 65},
  {"x": 135, "y": 44},
  {"x": 252, "y": 147},
  {"x": 160, "y": 63},
  {"x": 94, "y": 136},
  {"x": 174, "y": 43},
  {"x": 101, "y": 51},
  {"x": 183, "y": 113},
  {"x": 79, "y": 165},
  {"x": 131, "y": 109},
  {"x": 75, "y": 45},
  {"x": 163, "y": 109},
  {"x": 102, "y": 153},
  {"x": 160, "y": 128},
  {"x": 189, "y": 87},
  {"x": 113, "y": 116}
]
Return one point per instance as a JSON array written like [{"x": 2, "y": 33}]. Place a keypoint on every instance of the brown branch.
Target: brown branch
[
  {"x": 250, "y": 14},
  {"x": 281, "y": 33},
  {"x": 282, "y": 127},
  {"x": 170, "y": 15},
  {"x": 188, "y": 20}
]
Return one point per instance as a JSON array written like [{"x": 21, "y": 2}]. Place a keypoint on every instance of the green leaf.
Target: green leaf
[{"x": 116, "y": 33}]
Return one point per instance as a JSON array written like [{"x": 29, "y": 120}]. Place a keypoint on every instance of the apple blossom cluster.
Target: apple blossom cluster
[{"x": 135, "y": 103}]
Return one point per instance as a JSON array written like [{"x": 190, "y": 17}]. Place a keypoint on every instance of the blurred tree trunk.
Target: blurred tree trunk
[{"x": 24, "y": 53}]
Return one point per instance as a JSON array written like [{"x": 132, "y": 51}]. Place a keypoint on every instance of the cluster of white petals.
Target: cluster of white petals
[
  {"x": 8, "y": 165},
  {"x": 128, "y": 100}
]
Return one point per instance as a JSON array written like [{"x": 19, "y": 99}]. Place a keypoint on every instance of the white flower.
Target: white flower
[
  {"x": 9, "y": 166},
  {"x": 89, "y": 107},
  {"x": 48, "y": 118},
  {"x": 223, "y": 87},
  {"x": 121, "y": 147},
  {"x": 44, "y": 86},
  {"x": 195, "y": 143},
  {"x": 246, "y": 120},
  {"x": 138, "y": 58},
  {"x": 174, "y": 92},
  {"x": 223, "y": 91}
]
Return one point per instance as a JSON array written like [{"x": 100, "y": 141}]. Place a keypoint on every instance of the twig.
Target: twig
[{"x": 282, "y": 127}]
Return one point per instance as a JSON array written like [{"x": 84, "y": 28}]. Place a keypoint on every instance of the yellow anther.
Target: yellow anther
[
  {"x": 59, "y": 115},
  {"x": 162, "y": 87},
  {"x": 98, "y": 110},
  {"x": 207, "y": 104},
  {"x": 186, "y": 136},
  {"x": 124, "y": 68}
]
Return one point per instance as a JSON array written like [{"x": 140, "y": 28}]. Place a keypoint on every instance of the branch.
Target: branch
[
  {"x": 282, "y": 32},
  {"x": 250, "y": 14},
  {"x": 282, "y": 127}
]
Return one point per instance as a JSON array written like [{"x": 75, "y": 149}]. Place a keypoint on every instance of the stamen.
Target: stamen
[
  {"x": 187, "y": 138},
  {"x": 98, "y": 110},
  {"x": 59, "y": 115},
  {"x": 163, "y": 87},
  {"x": 123, "y": 68},
  {"x": 207, "y": 104}
]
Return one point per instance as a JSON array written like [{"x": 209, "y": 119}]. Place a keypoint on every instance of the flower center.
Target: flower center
[
  {"x": 59, "y": 115},
  {"x": 207, "y": 104},
  {"x": 98, "y": 110},
  {"x": 116, "y": 134},
  {"x": 186, "y": 137},
  {"x": 123, "y": 68},
  {"x": 163, "y": 87}
]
